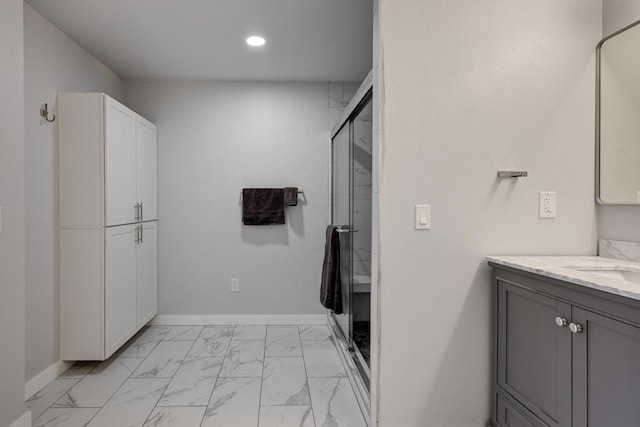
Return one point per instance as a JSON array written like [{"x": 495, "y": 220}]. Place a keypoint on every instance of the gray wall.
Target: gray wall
[
  {"x": 53, "y": 62},
  {"x": 467, "y": 89},
  {"x": 619, "y": 222},
  {"x": 12, "y": 282},
  {"x": 215, "y": 139}
]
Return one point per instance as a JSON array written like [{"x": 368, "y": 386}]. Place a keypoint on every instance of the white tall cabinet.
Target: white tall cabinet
[{"x": 108, "y": 224}]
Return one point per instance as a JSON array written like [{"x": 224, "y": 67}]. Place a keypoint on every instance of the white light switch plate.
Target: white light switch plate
[{"x": 423, "y": 217}]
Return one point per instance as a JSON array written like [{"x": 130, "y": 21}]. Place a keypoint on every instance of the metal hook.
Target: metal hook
[{"x": 44, "y": 112}]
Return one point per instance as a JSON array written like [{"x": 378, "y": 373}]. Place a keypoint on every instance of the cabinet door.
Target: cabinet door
[
  {"x": 606, "y": 371},
  {"x": 147, "y": 168},
  {"x": 120, "y": 163},
  {"x": 120, "y": 286},
  {"x": 534, "y": 353},
  {"x": 147, "y": 273}
]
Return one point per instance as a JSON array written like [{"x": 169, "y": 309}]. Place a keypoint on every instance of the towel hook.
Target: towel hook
[{"x": 44, "y": 112}]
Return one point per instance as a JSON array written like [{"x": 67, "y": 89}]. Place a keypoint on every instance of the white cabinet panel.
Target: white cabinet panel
[
  {"x": 147, "y": 168},
  {"x": 108, "y": 274},
  {"x": 120, "y": 286},
  {"x": 120, "y": 163},
  {"x": 147, "y": 273}
]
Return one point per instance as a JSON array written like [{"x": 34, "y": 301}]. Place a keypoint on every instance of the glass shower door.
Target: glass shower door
[{"x": 341, "y": 216}]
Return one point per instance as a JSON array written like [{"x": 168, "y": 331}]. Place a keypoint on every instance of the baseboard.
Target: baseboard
[
  {"x": 23, "y": 421},
  {"x": 267, "y": 319},
  {"x": 38, "y": 382}
]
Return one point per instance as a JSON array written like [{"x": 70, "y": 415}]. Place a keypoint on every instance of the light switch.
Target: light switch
[{"x": 423, "y": 217}]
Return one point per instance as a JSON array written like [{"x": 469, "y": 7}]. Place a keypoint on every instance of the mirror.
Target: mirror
[{"x": 618, "y": 118}]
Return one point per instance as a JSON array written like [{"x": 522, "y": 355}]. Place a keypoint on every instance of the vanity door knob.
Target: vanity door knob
[
  {"x": 576, "y": 328},
  {"x": 561, "y": 321}
]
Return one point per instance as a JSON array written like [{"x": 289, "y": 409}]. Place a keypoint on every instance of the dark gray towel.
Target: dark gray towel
[
  {"x": 331, "y": 285},
  {"x": 291, "y": 196},
  {"x": 262, "y": 206}
]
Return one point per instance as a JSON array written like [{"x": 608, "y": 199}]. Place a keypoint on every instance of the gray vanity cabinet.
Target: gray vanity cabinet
[
  {"x": 564, "y": 357},
  {"x": 534, "y": 354}
]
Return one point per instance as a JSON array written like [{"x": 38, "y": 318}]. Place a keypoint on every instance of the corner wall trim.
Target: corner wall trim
[
  {"x": 38, "y": 382},
  {"x": 266, "y": 319},
  {"x": 23, "y": 421}
]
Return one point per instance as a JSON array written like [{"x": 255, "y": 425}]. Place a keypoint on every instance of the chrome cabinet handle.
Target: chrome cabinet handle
[
  {"x": 141, "y": 211},
  {"x": 138, "y": 235},
  {"x": 576, "y": 328},
  {"x": 138, "y": 214},
  {"x": 561, "y": 321}
]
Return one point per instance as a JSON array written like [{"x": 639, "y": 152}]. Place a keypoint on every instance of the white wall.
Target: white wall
[
  {"x": 617, "y": 14},
  {"x": 12, "y": 281},
  {"x": 467, "y": 89},
  {"x": 53, "y": 62},
  {"x": 619, "y": 222},
  {"x": 214, "y": 139}
]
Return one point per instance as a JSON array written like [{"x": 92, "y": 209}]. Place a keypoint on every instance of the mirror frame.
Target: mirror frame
[{"x": 598, "y": 116}]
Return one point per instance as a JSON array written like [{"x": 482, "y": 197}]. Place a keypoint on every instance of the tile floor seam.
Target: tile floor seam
[
  {"x": 174, "y": 374},
  {"x": 304, "y": 361},
  {"x": 264, "y": 352}
]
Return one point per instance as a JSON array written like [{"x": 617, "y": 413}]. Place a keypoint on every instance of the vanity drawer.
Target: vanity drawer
[{"x": 510, "y": 414}]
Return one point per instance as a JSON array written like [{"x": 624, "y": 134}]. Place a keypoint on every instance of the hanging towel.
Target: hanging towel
[
  {"x": 262, "y": 206},
  {"x": 331, "y": 285},
  {"x": 291, "y": 196}
]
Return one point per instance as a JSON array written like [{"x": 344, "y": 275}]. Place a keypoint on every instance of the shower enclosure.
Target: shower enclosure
[{"x": 351, "y": 211}]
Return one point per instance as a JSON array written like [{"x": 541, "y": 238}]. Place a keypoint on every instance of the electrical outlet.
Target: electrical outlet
[
  {"x": 547, "y": 204},
  {"x": 235, "y": 285}
]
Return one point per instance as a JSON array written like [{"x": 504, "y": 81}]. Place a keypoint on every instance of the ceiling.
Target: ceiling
[{"x": 307, "y": 40}]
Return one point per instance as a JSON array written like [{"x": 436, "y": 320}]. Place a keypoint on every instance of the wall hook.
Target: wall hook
[{"x": 44, "y": 112}]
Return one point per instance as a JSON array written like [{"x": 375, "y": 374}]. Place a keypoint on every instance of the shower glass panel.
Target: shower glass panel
[
  {"x": 351, "y": 211},
  {"x": 341, "y": 216},
  {"x": 361, "y": 190}
]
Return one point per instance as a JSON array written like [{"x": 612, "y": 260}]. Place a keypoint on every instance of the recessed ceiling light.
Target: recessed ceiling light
[{"x": 255, "y": 41}]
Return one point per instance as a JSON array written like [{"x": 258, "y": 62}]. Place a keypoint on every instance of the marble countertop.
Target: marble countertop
[{"x": 567, "y": 268}]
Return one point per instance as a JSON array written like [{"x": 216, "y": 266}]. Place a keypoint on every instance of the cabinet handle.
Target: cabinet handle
[
  {"x": 137, "y": 211},
  {"x": 141, "y": 214},
  {"x": 576, "y": 328},
  {"x": 140, "y": 234},
  {"x": 561, "y": 321}
]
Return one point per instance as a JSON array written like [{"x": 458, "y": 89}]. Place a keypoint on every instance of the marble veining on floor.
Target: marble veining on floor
[{"x": 212, "y": 376}]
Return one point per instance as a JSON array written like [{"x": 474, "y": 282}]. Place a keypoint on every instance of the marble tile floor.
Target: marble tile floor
[{"x": 211, "y": 376}]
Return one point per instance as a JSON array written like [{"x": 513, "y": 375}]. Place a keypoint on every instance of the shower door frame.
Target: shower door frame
[{"x": 359, "y": 372}]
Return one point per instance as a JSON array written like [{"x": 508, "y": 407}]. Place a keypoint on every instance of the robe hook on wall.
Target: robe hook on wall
[{"x": 44, "y": 112}]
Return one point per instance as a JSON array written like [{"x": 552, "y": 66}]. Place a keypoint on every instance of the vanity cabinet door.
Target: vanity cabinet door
[
  {"x": 606, "y": 371},
  {"x": 534, "y": 352}
]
